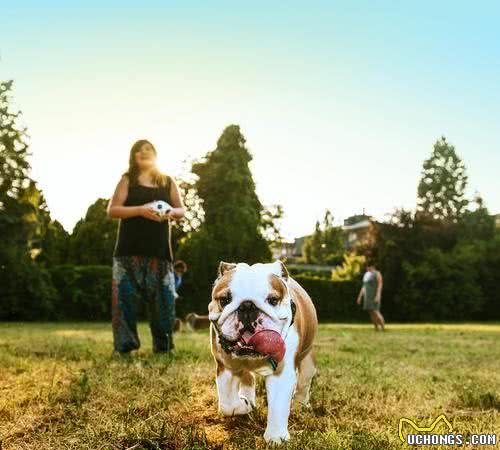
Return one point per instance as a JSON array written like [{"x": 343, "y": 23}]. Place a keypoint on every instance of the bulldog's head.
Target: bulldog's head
[{"x": 247, "y": 299}]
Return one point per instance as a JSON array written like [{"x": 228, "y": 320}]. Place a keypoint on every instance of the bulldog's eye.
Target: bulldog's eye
[
  {"x": 273, "y": 300},
  {"x": 225, "y": 299}
]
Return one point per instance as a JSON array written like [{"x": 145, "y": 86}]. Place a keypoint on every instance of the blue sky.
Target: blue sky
[{"x": 340, "y": 102}]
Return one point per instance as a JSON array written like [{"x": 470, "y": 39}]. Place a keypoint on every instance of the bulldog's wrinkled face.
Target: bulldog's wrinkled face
[{"x": 247, "y": 299}]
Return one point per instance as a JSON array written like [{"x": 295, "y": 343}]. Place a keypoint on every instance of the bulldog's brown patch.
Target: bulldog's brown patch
[
  {"x": 247, "y": 378},
  {"x": 278, "y": 288},
  {"x": 221, "y": 286},
  {"x": 220, "y": 367},
  {"x": 306, "y": 321},
  {"x": 220, "y": 289}
]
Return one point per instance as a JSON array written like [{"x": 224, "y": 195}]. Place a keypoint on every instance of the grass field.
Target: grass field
[{"x": 61, "y": 388}]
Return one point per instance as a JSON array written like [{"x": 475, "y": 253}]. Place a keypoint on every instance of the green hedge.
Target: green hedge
[
  {"x": 26, "y": 290},
  {"x": 84, "y": 292},
  {"x": 334, "y": 301},
  {"x": 435, "y": 291},
  {"x": 323, "y": 274}
]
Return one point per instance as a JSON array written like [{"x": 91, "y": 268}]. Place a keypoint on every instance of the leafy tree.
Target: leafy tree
[
  {"x": 233, "y": 219},
  {"x": 271, "y": 217},
  {"x": 14, "y": 170},
  {"x": 312, "y": 245},
  {"x": 13, "y": 148},
  {"x": 477, "y": 223},
  {"x": 55, "y": 246},
  {"x": 26, "y": 288},
  {"x": 441, "y": 191},
  {"x": 94, "y": 236},
  {"x": 35, "y": 219},
  {"x": 181, "y": 230},
  {"x": 326, "y": 244},
  {"x": 195, "y": 214},
  {"x": 24, "y": 214},
  {"x": 232, "y": 209}
]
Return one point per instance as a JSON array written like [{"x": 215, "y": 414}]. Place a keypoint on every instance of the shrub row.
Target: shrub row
[{"x": 84, "y": 293}]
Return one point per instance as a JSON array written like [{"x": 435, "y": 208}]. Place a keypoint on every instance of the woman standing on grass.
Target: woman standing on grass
[
  {"x": 142, "y": 260},
  {"x": 372, "y": 295}
]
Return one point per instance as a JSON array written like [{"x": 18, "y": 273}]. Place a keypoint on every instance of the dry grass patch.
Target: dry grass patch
[{"x": 61, "y": 388}]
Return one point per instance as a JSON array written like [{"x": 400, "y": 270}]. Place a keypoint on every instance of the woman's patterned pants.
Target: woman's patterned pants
[{"x": 142, "y": 280}]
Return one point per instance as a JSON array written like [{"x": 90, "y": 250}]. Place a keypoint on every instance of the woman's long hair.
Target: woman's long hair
[{"x": 159, "y": 179}]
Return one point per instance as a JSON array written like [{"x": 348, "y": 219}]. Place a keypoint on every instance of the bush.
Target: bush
[
  {"x": 84, "y": 292},
  {"x": 27, "y": 292},
  {"x": 488, "y": 276},
  {"x": 443, "y": 286},
  {"x": 334, "y": 301},
  {"x": 431, "y": 275},
  {"x": 460, "y": 284},
  {"x": 319, "y": 274}
]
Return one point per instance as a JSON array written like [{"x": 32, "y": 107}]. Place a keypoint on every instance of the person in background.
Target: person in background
[
  {"x": 371, "y": 292},
  {"x": 142, "y": 260},
  {"x": 180, "y": 268}
]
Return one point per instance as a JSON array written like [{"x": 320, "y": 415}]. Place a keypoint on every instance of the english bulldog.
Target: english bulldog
[{"x": 262, "y": 321}]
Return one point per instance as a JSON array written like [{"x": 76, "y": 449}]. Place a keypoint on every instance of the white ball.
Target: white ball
[{"x": 161, "y": 207}]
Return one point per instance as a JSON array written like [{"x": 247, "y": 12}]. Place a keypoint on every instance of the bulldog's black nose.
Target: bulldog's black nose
[
  {"x": 247, "y": 306},
  {"x": 247, "y": 314}
]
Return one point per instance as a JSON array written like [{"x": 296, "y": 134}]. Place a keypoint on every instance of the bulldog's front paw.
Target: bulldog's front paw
[
  {"x": 276, "y": 436},
  {"x": 237, "y": 408}
]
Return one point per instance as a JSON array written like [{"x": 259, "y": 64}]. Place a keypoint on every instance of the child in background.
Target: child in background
[{"x": 180, "y": 268}]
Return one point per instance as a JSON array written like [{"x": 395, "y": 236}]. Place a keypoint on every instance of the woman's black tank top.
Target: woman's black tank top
[{"x": 138, "y": 236}]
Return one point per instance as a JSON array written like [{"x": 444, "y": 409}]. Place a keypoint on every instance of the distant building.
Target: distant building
[
  {"x": 289, "y": 250},
  {"x": 298, "y": 247},
  {"x": 356, "y": 219},
  {"x": 284, "y": 250},
  {"x": 497, "y": 220},
  {"x": 356, "y": 230}
]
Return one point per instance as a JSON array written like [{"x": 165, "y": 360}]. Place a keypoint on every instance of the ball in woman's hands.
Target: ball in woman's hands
[
  {"x": 268, "y": 342},
  {"x": 161, "y": 207}
]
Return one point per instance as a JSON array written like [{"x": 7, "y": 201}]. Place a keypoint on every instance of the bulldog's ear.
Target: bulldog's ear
[
  {"x": 224, "y": 267},
  {"x": 282, "y": 271}
]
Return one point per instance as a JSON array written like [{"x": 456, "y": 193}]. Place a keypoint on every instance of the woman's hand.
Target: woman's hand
[
  {"x": 167, "y": 216},
  {"x": 377, "y": 298},
  {"x": 177, "y": 212},
  {"x": 173, "y": 214},
  {"x": 148, "y": 212},
  {"x": 360, "y": 296}
]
